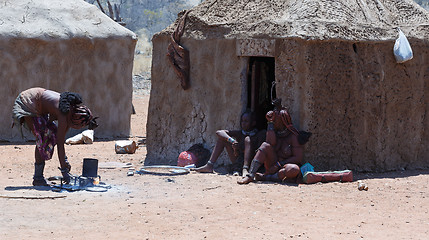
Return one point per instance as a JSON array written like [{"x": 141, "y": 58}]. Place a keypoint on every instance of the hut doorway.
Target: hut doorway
[{"x": 261, "y": 76}]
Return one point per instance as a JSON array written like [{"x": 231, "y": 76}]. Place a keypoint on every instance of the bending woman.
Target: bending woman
[{"x": 36, "y": 109}]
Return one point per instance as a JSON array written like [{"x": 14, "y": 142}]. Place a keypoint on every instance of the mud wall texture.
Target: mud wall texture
[
  {"x": 98, "y": 69},
  {"x": 366, "y": 111},
  {"x": 179, "y": 118}
]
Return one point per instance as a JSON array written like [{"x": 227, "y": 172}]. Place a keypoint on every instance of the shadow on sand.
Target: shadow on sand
[
  {"x": 38, "y": 188},
  {"x": 392, "y": 174}
]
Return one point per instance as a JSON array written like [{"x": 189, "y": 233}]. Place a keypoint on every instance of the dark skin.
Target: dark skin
[
  {"x": 279, "y": 154},
  {"x": 49, "y": 105},
  {"x": 233, "y": 149}
]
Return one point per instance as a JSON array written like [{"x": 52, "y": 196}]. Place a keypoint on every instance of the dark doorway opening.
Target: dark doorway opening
[{"x": 261, "y": 77}]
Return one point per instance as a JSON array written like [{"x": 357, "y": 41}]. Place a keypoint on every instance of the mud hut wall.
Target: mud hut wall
[
  {"x": 98, "y": 69},
  {"x": 366, "y": 111},
  {"x": 179, "y": 118}
]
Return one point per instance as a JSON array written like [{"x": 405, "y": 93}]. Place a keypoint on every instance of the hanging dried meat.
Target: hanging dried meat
[{"x": 179, "y": 56}]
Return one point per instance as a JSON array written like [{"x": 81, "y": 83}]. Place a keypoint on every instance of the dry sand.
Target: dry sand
[{"x": 202, "y": 206}]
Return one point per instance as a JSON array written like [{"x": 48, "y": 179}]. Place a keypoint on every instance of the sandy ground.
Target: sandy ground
[{"x": 202, "y": 206}]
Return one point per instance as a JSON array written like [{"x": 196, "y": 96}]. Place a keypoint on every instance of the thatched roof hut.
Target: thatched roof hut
[
  {"x": 333, "y": 65},
  {"x": 66, "y": 46}
]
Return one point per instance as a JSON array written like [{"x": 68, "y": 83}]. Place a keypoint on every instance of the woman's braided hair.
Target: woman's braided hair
[
  {"x": 68, "y": 99},
  {"x": 81, "y": 115}
]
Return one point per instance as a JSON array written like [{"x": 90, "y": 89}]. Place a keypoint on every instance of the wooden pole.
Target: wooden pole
[{"x": 101, "y": 8}]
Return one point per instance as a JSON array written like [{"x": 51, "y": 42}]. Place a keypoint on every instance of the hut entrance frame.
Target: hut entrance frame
[{"x": 260, "y": 79}]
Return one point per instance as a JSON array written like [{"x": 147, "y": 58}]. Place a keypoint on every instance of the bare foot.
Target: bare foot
[
  {"x": 259, "y": 177},
  {"x": 245, "y": 180},
  {"x": 208, "y": 168}
]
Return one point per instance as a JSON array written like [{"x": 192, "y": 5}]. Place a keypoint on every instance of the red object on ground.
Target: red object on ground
[{"x": 186, "y": 158}]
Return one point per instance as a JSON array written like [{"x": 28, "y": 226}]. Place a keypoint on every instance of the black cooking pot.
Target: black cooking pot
[{"x": 90, "y": 167}]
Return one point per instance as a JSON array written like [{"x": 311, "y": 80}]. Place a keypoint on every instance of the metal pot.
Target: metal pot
[{"x": 90, "y": 167}]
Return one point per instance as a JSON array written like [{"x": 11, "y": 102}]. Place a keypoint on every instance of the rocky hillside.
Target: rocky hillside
[{"x": 146, "y": 16}]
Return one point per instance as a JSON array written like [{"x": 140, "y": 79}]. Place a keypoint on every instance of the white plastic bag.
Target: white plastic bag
[
  {"x": 86, "y": 136},
  {"x": 402, "y": 48},
  {"x": 75, "y": 139},
  {"x": 125, "y": 146}
]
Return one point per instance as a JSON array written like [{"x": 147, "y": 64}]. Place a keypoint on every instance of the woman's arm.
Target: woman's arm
[
  {"x": 271, "y": 137},
  {"x": 61, "y": 135},
  {"x": 225, "y": 135}
]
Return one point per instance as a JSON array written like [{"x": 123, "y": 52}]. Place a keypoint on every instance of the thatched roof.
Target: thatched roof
[
  {"x": 308, "y": 19},
  {"x": 56, "y": 19}
]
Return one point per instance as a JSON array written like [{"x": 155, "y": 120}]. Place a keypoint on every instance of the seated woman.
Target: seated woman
[
  {"x": 37, "y": 109},
  {"x": 281, "y": 153},
  {"x": 239, "y": 144}
]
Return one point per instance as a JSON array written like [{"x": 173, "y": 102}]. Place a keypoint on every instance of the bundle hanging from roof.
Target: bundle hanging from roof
[{"x": 179, "y": 56}]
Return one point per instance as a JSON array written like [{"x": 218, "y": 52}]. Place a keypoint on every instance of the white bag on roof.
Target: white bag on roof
[{"x": 402, "y": 48}]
